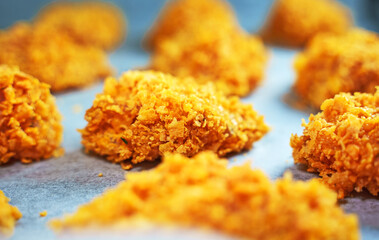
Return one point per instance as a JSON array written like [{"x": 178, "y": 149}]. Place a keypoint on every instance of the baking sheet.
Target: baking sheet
[{"x": 60, "y": 185}]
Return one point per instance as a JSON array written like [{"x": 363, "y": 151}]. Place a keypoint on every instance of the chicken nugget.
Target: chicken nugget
[
  {"x": 94, "y": 23},
  {"x": 294, "y": 22},
  {"x": 341, "y": 143},
  {"x": 8, "y": 216},
  {"x": 30, "y": 124},
  {"x": 233, "y": 60},
  {"x": 337, "y": 63},
  {"x": 187, "y": 16},
  {"x": 52, "y": 57},
  {"x": 203, "y": 192},
  {"x": 147, "y": 114}
]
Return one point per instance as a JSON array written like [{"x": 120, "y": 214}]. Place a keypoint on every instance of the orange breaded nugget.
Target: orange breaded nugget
[
  {"x": 342, "y": 143},
  {"x": 8, "y": 216},
  {"x": 337, "y": 63},
  {"x": 233, "y": 60},
  {"x": 203, "y": 192},
  {"x": 52, "y": 57},
  {"x": 294, "y": 22},
  {"x": 147, "y": 114},
  {"x": 94, "y": 23},
  {"x": 187, "y": 16},
  {"x": 30, "y": 124}
]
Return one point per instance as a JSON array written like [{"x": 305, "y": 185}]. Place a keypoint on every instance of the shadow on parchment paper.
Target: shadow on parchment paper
[
  {"x": 363, "y": 204},
  {"x": 77, "y": 166},
  {"x": 293, "y": 100}
]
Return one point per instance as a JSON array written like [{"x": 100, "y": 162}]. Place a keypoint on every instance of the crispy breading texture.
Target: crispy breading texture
[
  {"x": 147, "y": 114},
  {"x": 187, "y": 16},
  {"x": 95, "y": 23},
  {"x": 294, "y": 22},
  {"x": 337, "y": 63},
  {"x": 342, "y": 143},
  {"x": 52, "y": 57},
  {"x": 203, "y": 192},
  {"x": 233, "y": 60},
  {"x": 30, "y": 124},
  {"x": 8, "y": 216}
]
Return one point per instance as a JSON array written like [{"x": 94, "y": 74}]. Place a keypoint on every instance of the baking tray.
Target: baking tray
[{"x": 61, "y": 185}]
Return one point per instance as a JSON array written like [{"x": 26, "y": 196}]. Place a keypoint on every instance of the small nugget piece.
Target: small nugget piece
[
  {"x": 94, "y": 23},
  {"x": 203, "y": 192},
  {"x": 52, "y": 57},
  {"x": 337, "y": 63},
  {"x": 147, "y": 114},
  {"x": 30, "y": 124},
  {"x": 342, "y": 143},
  {"x": 294, "y": 22},
  {"x": 8, "y": 216},
  {"x": 43, "y": 213},
  {"x": 233, "y": 60},
  {"x": 187, "y": 16}
]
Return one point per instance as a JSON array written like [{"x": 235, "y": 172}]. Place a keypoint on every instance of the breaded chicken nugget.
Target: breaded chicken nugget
[
  {"x": 342, "y": 143},
  {"x": 30, "y": 124},
  {"x": 8, "y": 216},
  {"x": 233, "y": 60},
  {"x": 147, "y": 114},
  {"x": 294, "y": 22},
  {"x": 52, "y": 57},
  {"x": 94, "y": 23},
  {"x": 187, "y": 16},
  {"x": 337, "y": 63},
  {"x": 203, "y": 192}
]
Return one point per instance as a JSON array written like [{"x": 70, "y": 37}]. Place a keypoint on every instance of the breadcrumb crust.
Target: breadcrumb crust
[
  {"x": 333, "y": 63},
  {"x": 30, "y": 124},
  {"x": 203, "y": 192},
  {"x": 149, "y": 113},
  {"x": 94, "y": 23},
  {"x": 52, "y": 57},
  {"x": 233, "y": 60},
  {"x": 341, "y": 143},
  {"x": 187, "y": 16},
  {"x": 294, "y": 22},
  {"x": 8, "y": 216}
]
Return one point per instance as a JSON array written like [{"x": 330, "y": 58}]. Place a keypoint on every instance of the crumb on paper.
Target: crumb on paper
[
  {"x": 30, "y": 126},
  {"x": 43, "y": 213},
  {"x": 8, "y": 216},
  {"x": 146, "y": 114},
  {"x": 204, "y": 192},
  {"x": 341, "y": 143},
  {"x": 294, "y": 22},
  {"x": 335, "y": 63},
  {"x": 77, "y": 108}
]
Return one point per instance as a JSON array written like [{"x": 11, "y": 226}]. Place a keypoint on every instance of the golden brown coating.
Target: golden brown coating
[
  {"x": 147, "y": 114},
  {"x": 30, "y": 124},
  {"x": 337, "y": 63},
  {"x": 294, "y": 22},
  {"x": 187, "y": 16},
  {"x": 8, "y": 216},
  {"x": 203, "y": 192},
  {"x": 94, "y": 23},
  {"x": 52, "y": 57},
  {"x": 233, "y": 60},
  {"x": 341, "y": 143}
]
